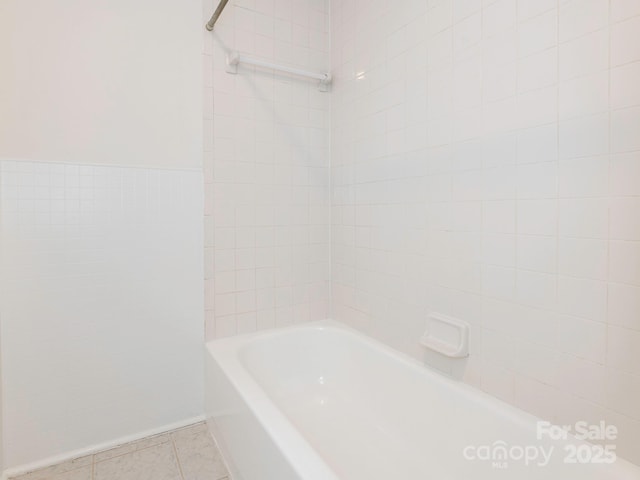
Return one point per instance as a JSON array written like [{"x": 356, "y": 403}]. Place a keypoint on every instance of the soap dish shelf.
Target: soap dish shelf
[{"x": 446, "y": 335}]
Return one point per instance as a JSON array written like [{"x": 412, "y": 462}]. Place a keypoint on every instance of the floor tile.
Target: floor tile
[
  {"x": 83, "y": 473},
  {"x": 56, "y": 470},
  {"x": 154, "y": 463},
  {"x": 198, "y": 455},
  {"x": 132, "y": 447},
  {"x": 189, "y": 430},
  {"x": 188, "y": 453}
]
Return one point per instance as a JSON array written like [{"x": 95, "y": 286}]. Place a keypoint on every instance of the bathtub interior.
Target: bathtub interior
[{"x": 370, "y": 413}]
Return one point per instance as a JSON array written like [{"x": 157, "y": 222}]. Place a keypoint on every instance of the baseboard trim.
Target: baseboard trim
[{"x": 63, "y": 457}]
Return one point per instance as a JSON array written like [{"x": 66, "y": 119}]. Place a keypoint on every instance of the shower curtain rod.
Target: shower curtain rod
[{"x": 216, "y": 14}]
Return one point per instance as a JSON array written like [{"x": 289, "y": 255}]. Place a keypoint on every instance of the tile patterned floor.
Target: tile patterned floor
[{"x": 185, "y": 454}]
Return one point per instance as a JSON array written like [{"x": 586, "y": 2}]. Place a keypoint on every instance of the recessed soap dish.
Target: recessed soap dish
[{"x": 446, "y": 335}]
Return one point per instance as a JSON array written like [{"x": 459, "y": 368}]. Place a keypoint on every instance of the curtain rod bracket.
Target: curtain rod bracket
[{"x": 233, "y": 59}]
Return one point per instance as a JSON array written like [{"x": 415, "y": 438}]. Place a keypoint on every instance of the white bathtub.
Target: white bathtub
[{"x": 323, "y": 402}]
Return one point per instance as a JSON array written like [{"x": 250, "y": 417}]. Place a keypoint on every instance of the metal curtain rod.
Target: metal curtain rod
[{"x": 216, "y": 14}]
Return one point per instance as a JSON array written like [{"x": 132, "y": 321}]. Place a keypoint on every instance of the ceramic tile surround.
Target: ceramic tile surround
[
  {"x": 485, "y": 161},
  {"x": 266, "y": 162},
  {"x": 110, "y": 344}
]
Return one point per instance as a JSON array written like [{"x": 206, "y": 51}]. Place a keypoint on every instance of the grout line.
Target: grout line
[
  {"x": 557, "y": 274},
  {"x": 228, "y": 476},
  {"x": 177, "y": 457},
  {"x": 609, "y": 197}
]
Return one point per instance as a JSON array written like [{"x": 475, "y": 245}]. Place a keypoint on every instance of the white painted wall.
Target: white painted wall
[
  {"x": 107, "y": 81},
  {"x": 103, "y": 325},
  {"x": 267, "y": 169},
  {"x": 102, "y": 304},
  {"x": 486, "y": 165}
]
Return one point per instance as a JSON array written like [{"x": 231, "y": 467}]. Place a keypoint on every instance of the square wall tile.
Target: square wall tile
[
  {"x": 579, "y": 17},
  {"x": 624, "y": 306},
  {"x": 624, "y": 41}
]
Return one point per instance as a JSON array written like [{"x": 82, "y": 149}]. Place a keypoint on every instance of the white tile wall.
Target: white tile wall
[
  {"x": 101, "y": 297},
  {"x": 486, "y": 164},
  {"x": 267, "y": 182}
]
